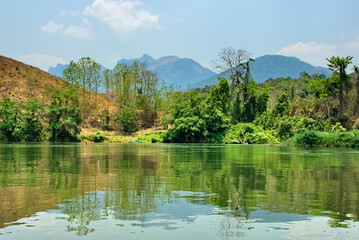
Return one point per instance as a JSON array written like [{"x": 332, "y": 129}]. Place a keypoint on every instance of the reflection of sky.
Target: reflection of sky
[
  {"x": 181, "y": 217},
  {"x": 265, "y": 216}
]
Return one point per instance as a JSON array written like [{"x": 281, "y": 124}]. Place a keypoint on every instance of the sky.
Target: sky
[{"x": 43, "y": 33}]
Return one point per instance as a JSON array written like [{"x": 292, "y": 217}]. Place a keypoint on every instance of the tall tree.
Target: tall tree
[
  {"x": 338, "y": 65},
  {"x": 71, "y": 74},
  {"x": 237, "y": 63},
  {"x": 356, "y": 78}
]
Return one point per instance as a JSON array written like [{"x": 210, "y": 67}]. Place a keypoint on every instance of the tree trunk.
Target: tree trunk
[{"x": 328, "y": 108}]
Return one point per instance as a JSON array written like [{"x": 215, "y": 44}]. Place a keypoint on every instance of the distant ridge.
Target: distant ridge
[
  {"x": 186, "y": 72},
  {"x": 272, "y": 66},
  {"x": 174, "y": 70},
  {"x": 57, "y": 71}
]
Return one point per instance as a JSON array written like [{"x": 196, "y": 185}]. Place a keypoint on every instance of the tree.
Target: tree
[
  {"x": 282, "y": 107},
  {"x": 237, "y": 63},
  {"x": 33, "y": 128},
  {"x": 324, "y": 89},
  {"x": 63, "y": 114},
  {"x": 338, "y": 65},
  {"x": 356, "y": 78},
  {"x": 219, "y": 97},
  {"x": 71, "y": 74},
  {"x": 10, "y": 120}
]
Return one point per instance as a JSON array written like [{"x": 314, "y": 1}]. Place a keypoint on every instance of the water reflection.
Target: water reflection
[{"x": 173, "y": 187}]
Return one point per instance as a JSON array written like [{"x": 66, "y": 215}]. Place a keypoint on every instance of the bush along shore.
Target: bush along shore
[{"x": 312, "y": 110}]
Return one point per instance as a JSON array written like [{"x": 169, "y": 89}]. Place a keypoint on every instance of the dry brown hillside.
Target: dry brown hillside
[{"x": 20, "y": 81}]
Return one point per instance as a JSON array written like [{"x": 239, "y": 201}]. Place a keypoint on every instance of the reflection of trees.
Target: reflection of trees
[
  {"x": 134, "y": 179},
  {"x": 81, "y": 211}
]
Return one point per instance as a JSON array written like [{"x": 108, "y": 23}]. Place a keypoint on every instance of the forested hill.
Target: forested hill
[
  {"x": 272, "y": 66},
  {"x": 276, "y": 66},
  {"x": 174, "y": 70}
]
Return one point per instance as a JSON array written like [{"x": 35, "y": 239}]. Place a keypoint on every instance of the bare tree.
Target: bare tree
[{"x": 237, "y": 63}]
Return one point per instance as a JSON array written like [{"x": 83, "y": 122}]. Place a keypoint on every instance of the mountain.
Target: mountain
[
  {"x": 174, "y": 70},
  {"x": 187, "y": 72},
  {"x": 272, "y": 66},
  {"x": 57, "y": 71},
  {"x": 275, "y": 66}
]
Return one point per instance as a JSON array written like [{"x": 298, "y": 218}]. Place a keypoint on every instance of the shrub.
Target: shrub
[
  {"x": 355, "y": 142},
  {"x": 128, "y": 120},
  {"x": 186, "y": 130},
  {"x": 285, "y": 130},
  {"x": 308, "y": 138},
  {"x": 97, "y": 136},
  {"x": 248, "y": 133}
]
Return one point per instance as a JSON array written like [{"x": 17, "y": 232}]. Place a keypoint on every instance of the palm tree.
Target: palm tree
[{"x": 338, "y": 66}]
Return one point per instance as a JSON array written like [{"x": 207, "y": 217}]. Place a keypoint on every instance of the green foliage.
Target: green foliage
[
  {"x": 327, "y": 139},
  {"x": 248, "y": 133},
  {"x": 355, "y": 141},
  {"x": 64, "y": 114},
  {"x": 33, "y": 129},
  {"x": 308, "y": 138},
  {"x": 285, "y": 130},
  {"x": 186, "y": 130},
  {"x": 236, "y": 111},
  {"x": 106, "y": 119},
  {"x": 216, "y": 121},
  {"x": 282, "y": 107},
  {"x": 20, "y": 122},
  {"x": 155, "y": 137},
  {"x": 97, "y": 137},
  {"x": 220, "y": 97},
  {"x": 128, "y": 120},
  {"x": 10, "y": 125}
]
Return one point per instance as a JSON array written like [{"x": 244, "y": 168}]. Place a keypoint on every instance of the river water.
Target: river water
[{"x": 177, "y": 191}]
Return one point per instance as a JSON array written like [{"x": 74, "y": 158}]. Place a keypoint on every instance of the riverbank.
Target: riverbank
[
  {"x": 150, "y": 135},
  {"x": 242, "y": 134}
]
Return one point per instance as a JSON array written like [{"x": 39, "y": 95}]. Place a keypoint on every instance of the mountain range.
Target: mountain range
[
  {"x": 186, "y": 72},
  {"x": 174, "y": 70}
]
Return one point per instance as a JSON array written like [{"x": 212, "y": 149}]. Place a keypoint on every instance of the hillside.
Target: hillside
[
  {"x": 272, "y": 66},
  {"x": 16, "y": 78},
  {"x": 21, "y": 82}
]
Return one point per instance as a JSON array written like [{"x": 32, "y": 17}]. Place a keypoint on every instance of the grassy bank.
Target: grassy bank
[
  {"x": 326, "y": 139},
  {"x": 151, "y": 135}
]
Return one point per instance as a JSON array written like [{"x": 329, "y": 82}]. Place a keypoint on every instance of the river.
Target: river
[{"x": 177, "y": 191}]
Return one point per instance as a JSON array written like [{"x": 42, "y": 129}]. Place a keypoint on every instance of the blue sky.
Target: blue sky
[{"x": 46, "y": 32}]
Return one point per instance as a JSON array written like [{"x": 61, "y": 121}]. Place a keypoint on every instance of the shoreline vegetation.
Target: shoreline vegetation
[{"x": 130, "y": 104}]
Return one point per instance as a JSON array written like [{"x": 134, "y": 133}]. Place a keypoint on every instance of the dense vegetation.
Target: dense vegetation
[{"x": 313, "y": 110}]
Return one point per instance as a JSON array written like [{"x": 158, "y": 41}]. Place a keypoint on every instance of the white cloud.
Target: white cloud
[
  {"x": 52, "y": 27},
  {"x": 78, "y": 32},
  {"x": 74, "y": 31},
  {"x": 123, "y": 15},
  {"x": 41, "y": 61},
  {"x": 311, "y": 52}
]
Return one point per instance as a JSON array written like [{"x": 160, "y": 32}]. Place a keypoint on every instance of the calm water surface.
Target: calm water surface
[{"x": 159, "y": 191}]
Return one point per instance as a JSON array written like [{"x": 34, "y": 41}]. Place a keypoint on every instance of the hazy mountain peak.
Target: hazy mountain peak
[
  {"x": 146, "y": 58},
  {"x": 174, "y": 70}
]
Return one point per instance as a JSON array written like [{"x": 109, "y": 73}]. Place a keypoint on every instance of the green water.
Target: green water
[{"x": 159, "y": 191}]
